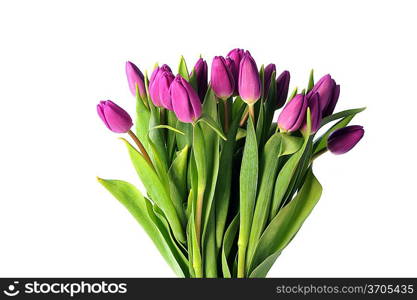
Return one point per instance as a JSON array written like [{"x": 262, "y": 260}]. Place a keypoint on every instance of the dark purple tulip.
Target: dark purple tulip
[
  {"x": 325, "y": 87},
  {"x": 313, "y": 103},
  {"x": 269, "y": 69},
  {"x": 236, "y": 56},
  {"x": 333, "y": 101},
  {"x": 201, "y": 73},
  {"x": 249, "y": 81},
  {"x": 283, "y": 83},
  {"x": 222, "y": 81},
  {"x": 293, "y": 114},
  {"x": 344, "y": 139},
  {"x": 114, "y": 117},
  {"x": 185, "y": 101},
  {"x": 154, "y": 84},
  {"x": 164, "y": 82},
  {"x": 135, "y": 77}
]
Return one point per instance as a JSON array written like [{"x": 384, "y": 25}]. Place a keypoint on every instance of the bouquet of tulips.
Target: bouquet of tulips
[{"x": 226, "y": 184}]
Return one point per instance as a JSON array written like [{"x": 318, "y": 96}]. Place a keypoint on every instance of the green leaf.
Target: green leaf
[
  {"x": 292, "y": 95},
  {"x": 229, "y": 238},
  {"x": 223, "y": 186},
  {"x": 248, "y": 187},
  {"x": 310, "y": 81},
  {"x": 142, "y": 120},
  {"x": 263, "y": 268},
  {"x": 194, "y": 247},
  {"x": 157, "y": 190},
  {"x": 160, "y": 221},
  {"x": 135, "y": 203},
  {"x": 267, "y": 175},
  {"x": 260, "y": 126},
  {"x": 169, "y": 128},
  {"x": 286, "y": 176},
  {"x": 288, "y": 221},
  {"x": 187, "y": 138},
  {"x": 213, "y": 125},
  {"x": 341, "y": 115},
  {"x": 158, "y": 139},
  {"x": 178, "y": 171},
  {"x": 210, "y": 250},
  {"x": 182, "y": 69},
  {"x": 177, "y": 175}
]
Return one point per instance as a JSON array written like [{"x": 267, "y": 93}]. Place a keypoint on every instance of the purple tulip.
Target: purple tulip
[
  {"x": 201, "y": 73},
  {"x": 164, "y": 82},
  {"x": 249, "y": 81},
  {"x": 114, "y": 117},
  {"x": 236, "y": 56},
  {"x": 326, "y": 88},
  {"x": 154, "y": 84},
  {"x": 283, "y": 83},
  {"x": 232, "y": 67},
  {"x": 344, "y": 139},
  {"x": 293, "y": 114},
  {"x": 222, "y": 81},
  {"x": 269, "y": 69},
  {"x": 313, "y": 102},
  {"x": 185, "y": 100},
  {"x": 135, "y": 77},
  {"x": 333, "y": 101}
]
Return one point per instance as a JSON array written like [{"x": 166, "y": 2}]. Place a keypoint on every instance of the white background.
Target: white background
[{"x": 59, "y": 58}]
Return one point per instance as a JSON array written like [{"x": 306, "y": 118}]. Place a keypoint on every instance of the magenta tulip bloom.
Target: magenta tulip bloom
[
  {"x": 201, "y": 73},
  {"x": 185, "y": 101},
  {"x": 269, "y": 69},
  {"x": 232, "y": 67},
  {"x": 249, "y": 81},
  {"x": 236, "y": 56},
  {"x": 344, "y": 139},
  {"x": 283, "y": 83},
  {"x": 326, "y": 87},
  {"x": 164, "y": 82},
  {"x": 135, "y": 77},
  {"x": 313, "y": 103},
  {"x": 154, "y": 84},
  {"x": 114, "y": 117},
  {"x": 293, "y": 114},
  {"x": 222, "y": 81}
]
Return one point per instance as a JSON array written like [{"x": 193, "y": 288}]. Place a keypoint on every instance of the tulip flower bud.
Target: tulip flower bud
[
  {"x": 154, "y": 84},
  {"x": 249, "y": 81},
  {"x": 325, "y": 87},
  {"x": 293, "y": 114},
  {"x": 185, "y": 100},
  {"x": 269, "y": 69},
  {"x": 222, "y": 80},
  {"x": 313, "y": 103},
  {"x": 283, "y": 83},
  {"x": 135, "y": 77},
  {"x": 201, "y": 73},
  {"x": 236, "y": 56},
  {"x": 333, "y": 101},
  {"x": 114, "y": 117},
  {"x": 232, "y": 67},
  {"x": 164, "y": 82},
  {"x": 344, "y": 139}
]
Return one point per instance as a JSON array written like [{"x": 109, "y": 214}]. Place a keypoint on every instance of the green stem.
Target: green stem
[
  {"x": 318, "y": 154},
  {"x": 226, "y": 116},
  {"x": 251, "y": 109},
  {"x": 242, "y": 245},
  {"x": 199, "y": 211}
]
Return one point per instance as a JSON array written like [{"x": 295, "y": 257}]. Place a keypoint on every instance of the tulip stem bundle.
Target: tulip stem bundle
[{"x": 227, "y": 185}]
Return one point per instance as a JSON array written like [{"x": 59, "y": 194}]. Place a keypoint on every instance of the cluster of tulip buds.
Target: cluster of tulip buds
[
  {"x": 195, "y": 131},
  {"x": 234, "y": 75}
]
